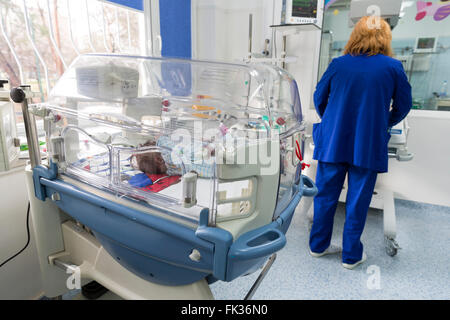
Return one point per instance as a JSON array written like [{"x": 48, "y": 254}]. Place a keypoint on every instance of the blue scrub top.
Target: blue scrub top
[{"x": 353, "y": 98}]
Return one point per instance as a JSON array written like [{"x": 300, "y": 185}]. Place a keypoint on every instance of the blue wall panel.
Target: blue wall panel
[
  {"x": 133, "y": 4},
  {"x": 175, "y": 28}
]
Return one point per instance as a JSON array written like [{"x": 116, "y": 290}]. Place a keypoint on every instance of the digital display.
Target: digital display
[
  {"x": 426, "y": 43},
  {"x": 304, "y": 8}
]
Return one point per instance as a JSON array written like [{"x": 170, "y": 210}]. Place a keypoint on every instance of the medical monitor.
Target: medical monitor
[
  {"x": 301, "y": 11},
  {"x": 425, "y": 45}
]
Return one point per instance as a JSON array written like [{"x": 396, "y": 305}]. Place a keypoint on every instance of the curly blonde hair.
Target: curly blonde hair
[{"x": 371, "y": 35}]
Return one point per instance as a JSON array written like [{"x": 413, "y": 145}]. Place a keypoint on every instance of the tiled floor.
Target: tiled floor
[{"x": 420, "y": 270}]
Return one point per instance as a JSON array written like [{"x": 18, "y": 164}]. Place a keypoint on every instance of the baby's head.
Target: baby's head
[{"x": 151, "y": 162}]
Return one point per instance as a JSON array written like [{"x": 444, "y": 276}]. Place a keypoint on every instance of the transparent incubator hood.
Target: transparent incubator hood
[{"x": 182, "y": 135}]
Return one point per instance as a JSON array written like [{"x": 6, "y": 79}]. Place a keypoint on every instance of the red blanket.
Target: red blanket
[{"x": 161, "y": 184}]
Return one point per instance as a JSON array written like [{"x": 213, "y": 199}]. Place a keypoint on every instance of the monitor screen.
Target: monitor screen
[
  {"x": 425, "y": 43},
  {"x": 304, "y": 8}
]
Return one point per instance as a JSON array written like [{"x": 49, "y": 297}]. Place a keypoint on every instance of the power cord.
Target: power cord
[{"x": 28, "y": 240}]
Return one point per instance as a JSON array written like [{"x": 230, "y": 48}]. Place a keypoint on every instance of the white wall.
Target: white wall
[
  {"x": 220, "y": 28},
  {"x": 306, "y": 48},
  {"x": 21, "y": 277},
  {"x": 220, "y": 32},
  {"x": 426, "y": 178}
]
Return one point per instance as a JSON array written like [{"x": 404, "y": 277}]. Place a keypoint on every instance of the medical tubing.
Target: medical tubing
[{"x": 28, "y": 239}]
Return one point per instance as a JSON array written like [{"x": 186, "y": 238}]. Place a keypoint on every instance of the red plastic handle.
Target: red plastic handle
[{"x": 299, "y": 155}]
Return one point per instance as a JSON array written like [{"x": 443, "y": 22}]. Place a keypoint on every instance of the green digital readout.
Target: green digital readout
[{"x": 304, "y": 8}]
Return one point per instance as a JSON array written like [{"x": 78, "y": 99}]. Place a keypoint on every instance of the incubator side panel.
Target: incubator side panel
[{"x": 264, "y": 180}]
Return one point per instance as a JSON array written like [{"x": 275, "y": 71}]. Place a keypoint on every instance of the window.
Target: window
[
  {"x": 41, "y": 38},
  {"x": 58, "y": 31}
]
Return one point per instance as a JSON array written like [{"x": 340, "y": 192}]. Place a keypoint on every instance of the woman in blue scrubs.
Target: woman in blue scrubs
[{"x": 353, "y": 99}]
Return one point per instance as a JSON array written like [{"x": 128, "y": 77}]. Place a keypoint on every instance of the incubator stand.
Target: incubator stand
[{"x": 164, "y": 175}]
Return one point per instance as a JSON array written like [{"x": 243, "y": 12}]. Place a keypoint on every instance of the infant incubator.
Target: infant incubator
[{"x": 181, "y": 171}]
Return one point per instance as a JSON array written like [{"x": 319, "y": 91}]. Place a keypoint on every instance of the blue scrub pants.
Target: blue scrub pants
[{"x": 330, "y": 178}]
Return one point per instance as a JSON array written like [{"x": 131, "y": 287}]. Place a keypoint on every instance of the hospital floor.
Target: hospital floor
[{"x": 420, "y": 270}]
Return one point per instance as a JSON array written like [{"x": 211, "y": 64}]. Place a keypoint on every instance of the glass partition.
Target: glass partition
[{"x": 421, "y": 40}]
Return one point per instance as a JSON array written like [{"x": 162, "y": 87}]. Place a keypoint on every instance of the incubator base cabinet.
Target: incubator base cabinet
[{"x": 163, "y": 175}]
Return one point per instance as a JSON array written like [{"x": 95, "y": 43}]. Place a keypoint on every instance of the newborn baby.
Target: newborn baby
[
  {"x": 151, "y": 162},
  {"x": 179, "y": 159},
  {"x": 155, "y": 174}
]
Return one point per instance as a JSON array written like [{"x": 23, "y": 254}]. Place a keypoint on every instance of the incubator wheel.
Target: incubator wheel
[
  {"x": 93, "y": 290},
  {"x": 391, "y": 247},
  {"x": 391, "y": 251}
]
